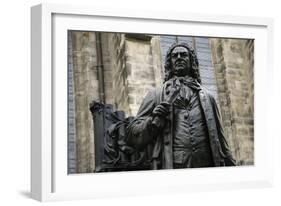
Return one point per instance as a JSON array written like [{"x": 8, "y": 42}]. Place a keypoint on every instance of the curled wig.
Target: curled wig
[{"x": 193, "y": 60}]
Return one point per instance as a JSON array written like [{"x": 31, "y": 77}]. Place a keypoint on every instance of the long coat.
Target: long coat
[{"x": 140, "y": 135}]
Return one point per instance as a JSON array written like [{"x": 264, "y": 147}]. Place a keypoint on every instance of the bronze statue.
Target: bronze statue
[{"x": 180, "y": 121}]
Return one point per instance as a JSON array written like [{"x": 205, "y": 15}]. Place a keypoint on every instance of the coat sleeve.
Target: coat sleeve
[
  {"x": 228, "y": 158},
  {"x": 139, "y": 132}
]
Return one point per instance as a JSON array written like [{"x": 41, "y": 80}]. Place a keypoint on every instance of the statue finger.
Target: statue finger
[
  {"x": 161, "y": 111},
  {"x": 165, "y": 104}
]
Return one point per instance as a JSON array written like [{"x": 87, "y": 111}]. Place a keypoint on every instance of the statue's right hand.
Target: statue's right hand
[
  {"x": 159, "y": 114},
  {"x": 161, "y": 110}
]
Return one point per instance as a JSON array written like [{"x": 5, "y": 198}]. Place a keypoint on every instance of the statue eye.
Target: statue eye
[
  {"x": 184, "y": 54},
  {"x": 174, "y": 55}
]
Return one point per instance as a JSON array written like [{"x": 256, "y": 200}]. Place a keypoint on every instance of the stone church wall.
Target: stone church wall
[
  {"x": 84, "y": 87},
  {"x": 132, "y": 64},
  {"x": 234, "y": 61}
]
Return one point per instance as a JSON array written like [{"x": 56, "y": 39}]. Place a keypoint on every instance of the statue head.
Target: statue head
[{"x": 181, "y": 61}]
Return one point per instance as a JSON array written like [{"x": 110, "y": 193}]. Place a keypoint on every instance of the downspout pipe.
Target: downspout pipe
[{"x": 100, "y": 67}]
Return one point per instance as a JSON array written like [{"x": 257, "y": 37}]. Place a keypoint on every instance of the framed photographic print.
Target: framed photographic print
[{"x": 135, "y": 102}]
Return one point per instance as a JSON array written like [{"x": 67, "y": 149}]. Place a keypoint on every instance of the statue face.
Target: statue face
[{"x": 180, "y": 60}]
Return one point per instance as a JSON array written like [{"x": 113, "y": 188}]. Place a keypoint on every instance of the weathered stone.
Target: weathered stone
[
  {"x": 234, "y": 73},
  {"x": 131, "y": 99}
]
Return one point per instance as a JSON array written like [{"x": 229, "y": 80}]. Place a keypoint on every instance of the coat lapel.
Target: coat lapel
[{"x": 211, "y": 126}]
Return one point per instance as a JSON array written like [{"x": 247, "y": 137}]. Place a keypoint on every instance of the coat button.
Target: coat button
[{"x": 193, "y": 149}]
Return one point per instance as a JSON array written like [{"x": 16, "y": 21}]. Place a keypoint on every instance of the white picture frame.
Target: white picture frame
[{"x": 49, "y": 178}]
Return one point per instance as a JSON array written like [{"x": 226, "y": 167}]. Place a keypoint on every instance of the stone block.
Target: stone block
[{"x": 242, "y": 131}]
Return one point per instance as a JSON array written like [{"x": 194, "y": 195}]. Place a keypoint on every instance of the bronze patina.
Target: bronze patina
[{"x": 177, "y": 126}]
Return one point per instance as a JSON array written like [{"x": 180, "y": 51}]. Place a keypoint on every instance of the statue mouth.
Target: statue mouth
[
  {"x": 180, "y": 66},
  {"x": 180, "y": 63}
]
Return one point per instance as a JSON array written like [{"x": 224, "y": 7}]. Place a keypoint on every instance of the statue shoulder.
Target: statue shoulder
[
  {"x": 153, "y": 94},
  {"x": 208, "y": 94}
]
